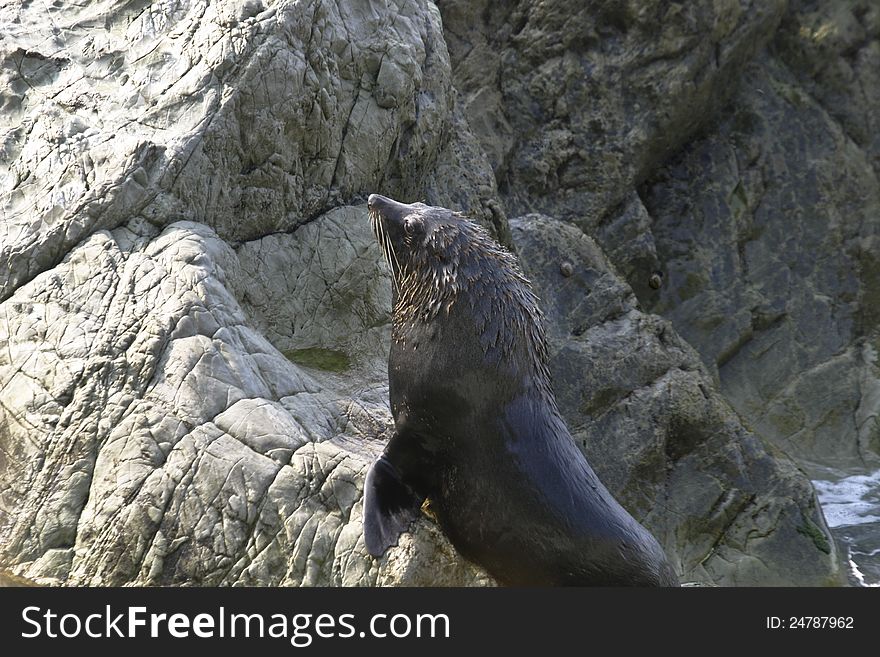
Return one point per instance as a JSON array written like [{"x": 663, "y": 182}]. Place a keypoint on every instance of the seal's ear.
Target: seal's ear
[{"x": 389, "y": 506}]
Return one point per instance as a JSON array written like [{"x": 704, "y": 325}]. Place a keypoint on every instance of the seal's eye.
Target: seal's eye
[{"x": 412, "y": 226}]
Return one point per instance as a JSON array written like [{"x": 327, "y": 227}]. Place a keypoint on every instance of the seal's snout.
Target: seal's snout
[
  {"x": 374, "y": 201},
  {"x": 379, "y": 203},
  {"x": 389, "y": 209}
]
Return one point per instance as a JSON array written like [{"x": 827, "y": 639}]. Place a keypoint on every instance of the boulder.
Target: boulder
[
  {"x": 175, "y": 187},
  {"x": 767, "y": 233},
  {"x": 650, "y": 420}
]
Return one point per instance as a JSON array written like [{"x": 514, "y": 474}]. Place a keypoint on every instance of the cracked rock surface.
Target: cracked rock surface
[
  {"x": 195, "y": 316},
  {"x": 194, "y": 319},
  {"x": 731, "y": 148},
  {"x": 662, "y": 438}
]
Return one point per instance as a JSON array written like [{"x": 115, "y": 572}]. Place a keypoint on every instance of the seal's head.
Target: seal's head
[
  {"x": 438, "y": 256},
  {"x": 442, "y": 263},
  {"x": 405, "y": 231}
]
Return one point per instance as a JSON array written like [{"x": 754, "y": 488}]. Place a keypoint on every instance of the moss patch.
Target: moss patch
[
  {"x": 811, "y": 530},
  {"x": 869, "y": 308},
  {"x": 329, "y": 360}
]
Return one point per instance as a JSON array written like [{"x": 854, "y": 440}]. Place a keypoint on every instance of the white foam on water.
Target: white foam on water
[
  {"x": 858, "y": 575},
  {"x": 850, "y": 501},
  {"x": 851, "y": 506}
]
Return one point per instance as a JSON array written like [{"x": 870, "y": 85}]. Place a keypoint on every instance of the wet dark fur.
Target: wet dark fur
[{"x": 477, "y": 430}]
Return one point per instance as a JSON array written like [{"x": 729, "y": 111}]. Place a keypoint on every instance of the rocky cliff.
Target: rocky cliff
[{"x": 195, "y": 315}]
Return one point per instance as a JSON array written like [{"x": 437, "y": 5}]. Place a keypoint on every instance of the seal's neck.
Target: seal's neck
[{"x": 489, "y": 287}]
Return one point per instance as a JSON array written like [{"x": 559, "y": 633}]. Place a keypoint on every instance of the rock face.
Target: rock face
[
  {"x": 784, "y": 316},
  {"x": 175, "y": 193},
  {"x": 192, "y": 378},
  {"x": 577, "y": 102},
  {"x": 730, "y": 147},
  {"x": 772, "y": 259},
  {"x": 646, "y": 413}
]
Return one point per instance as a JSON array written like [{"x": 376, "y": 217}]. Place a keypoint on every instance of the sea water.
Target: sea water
[{"x": 851, "y": 503}]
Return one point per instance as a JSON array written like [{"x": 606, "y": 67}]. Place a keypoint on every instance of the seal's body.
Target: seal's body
[{"x": 477, "y": 430}]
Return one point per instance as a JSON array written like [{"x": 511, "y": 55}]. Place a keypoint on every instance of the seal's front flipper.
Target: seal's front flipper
[{"x": 389, "y": 506}]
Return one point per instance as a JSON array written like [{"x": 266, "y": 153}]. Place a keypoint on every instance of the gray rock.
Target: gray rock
[
  {"x": 651, "y": 422},
  {"x": 768, "y": 260},
  {"x": 724, "y": 156},
  {"x": 834, "y": 50},
  {"x": 154, "y": 437},
  {"x": 167, "y": 176},
  {"x": 577, "y": 102}
]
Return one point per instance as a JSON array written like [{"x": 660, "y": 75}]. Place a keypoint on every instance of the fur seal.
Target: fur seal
[{"x": 477, "y": 429}]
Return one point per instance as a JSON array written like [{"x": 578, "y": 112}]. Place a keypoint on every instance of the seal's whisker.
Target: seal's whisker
[
  {"x": 396, "y": 267},
  {"x": 385, "y": 245}
]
